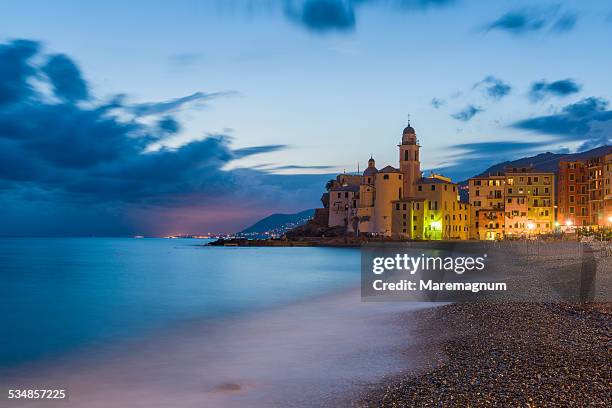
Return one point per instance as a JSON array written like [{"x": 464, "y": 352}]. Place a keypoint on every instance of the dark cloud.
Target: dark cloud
[
  {"x": 518, "y": 22},
  {"x": 437, "y": 103},
  {"x": 468, "y": 113},
  {"x": 542, "y": 89},
  {"x": 493, "y": 88},
  {"x": 587, "y": 120},
  {"x": 15, "y": 70},
  {"x": 323, "y": 16},
  {"x": 565, "y": 23},
  {"x": 59, "y": 153},
  {"x": 168, "y": 125},
  {"x": 158, "y": 108},
  {"x": 297, "y": 167},
  {"x": 534, "y": 19},
  {"x": 66, "y": 78}
]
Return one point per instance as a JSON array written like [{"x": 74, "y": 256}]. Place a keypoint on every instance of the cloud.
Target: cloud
[
  {"x": 565, "y": 23},
  {"x": 297, "y": 167},
  {"x": 15, "y": 70},
  {"x": 493, "y": 88},
  {"x": 587, "y": 120},
  {"x": 325, "y": 16},
  {"x": 66, "y": 78},
  {"x": 157, "y": 108},
  {"x": 468, "y": 113},
  {"x": 528, "y": 20},
  {"x": 543, "y": 89},
  {"x": 469, "y": 158},
  {"x": 185, "y": 59},
  {"x": 249, "y": 151},
  {"x": 61, "y": 156},
  {"x": 437, "y": 103}
]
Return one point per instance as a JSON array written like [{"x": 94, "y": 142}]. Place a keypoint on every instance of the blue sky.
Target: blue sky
[{"x": 301, "y": 87}]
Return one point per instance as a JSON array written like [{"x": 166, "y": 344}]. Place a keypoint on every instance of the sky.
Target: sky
[{"x": 157, "y": 118}]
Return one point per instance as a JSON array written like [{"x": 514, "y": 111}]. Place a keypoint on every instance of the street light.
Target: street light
[
  {"x": 569, "y": 223},
  {"x": 531, "y": 226}
]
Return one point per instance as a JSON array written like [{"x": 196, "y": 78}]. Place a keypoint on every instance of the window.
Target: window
[
  {"x": 571, "y": 210},
  {"x": 346, "y": 195},
  {"x": 404, "y": 206},
  {"x": 445, "y": 187},
  {"x": 420, "y": 188},
  {"x": 571, "y": 188},
  {"x": 509, "y": 191},
  {"x": 433, "y": 187},
  {"x": 477, "y": 193},
  {"x": 414, "y": 218},
  {"x": 571, "y": 176},
  {"x": 396, "y": 206},
  {"x": 386, "y": 177},
  {"x": 339, "y": 195}
]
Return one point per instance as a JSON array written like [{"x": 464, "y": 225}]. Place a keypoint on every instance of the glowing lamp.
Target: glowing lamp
[
  {"x": 556, "y": 223},
  {"x": 610, "y": 219},
  {"x": 569, "y": 223},
  {"x": 531, "y": 226},
  {"x": 436, "y": 225}
]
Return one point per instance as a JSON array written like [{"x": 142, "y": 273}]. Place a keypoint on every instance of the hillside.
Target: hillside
[
  {"x": 278, "y": 223},
  {"x": 547, "y": 161}
]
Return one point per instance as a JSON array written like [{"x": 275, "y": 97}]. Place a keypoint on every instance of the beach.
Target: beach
[
  {"x": 305, "y": 338},
  {"x": 507, "y": 354}
]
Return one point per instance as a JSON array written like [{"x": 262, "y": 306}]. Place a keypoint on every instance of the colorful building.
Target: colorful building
[
  {"x": 572, "y": 190},
  {"x": 399, "y": 202},
  {"x": 516, "y": 203},
  {"x": 487, "y": 206},
  {"x": 595, "y": 168}
]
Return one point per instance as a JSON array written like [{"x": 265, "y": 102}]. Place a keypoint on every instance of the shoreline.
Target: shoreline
[{"x": 505, "y": 354}]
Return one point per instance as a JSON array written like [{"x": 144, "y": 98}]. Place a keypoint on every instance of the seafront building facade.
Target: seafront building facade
[
  {"x": 518, "y": 202},
  {"x": 585, "y": 199},
  {"x": 399, "y": 202}
]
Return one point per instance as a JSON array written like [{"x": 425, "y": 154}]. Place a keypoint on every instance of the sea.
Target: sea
[{"x": 173, "y": 322}]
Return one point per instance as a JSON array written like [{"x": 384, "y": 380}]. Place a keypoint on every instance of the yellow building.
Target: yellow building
[
  {"x": 399, "y": 202},
  {"x": 536, "y": 190},
  {"x": 487, "y": 207}
]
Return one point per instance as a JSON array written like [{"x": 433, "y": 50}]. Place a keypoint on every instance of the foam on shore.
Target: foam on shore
[{"x": 308, "y": 354}]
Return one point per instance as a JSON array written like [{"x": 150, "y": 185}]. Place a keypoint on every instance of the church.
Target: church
[{"x": 398, "y": 203}]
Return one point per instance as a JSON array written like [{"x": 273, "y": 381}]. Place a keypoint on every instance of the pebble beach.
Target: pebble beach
[{"x": 507, "y": 354}]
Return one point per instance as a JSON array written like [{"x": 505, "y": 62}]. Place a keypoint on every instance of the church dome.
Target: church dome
[
  {"x": 409, "y": 130},
  {"x": 370, "y": 171}
]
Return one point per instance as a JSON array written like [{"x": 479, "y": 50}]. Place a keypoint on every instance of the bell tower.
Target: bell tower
[{"x": 410, "y": 166}]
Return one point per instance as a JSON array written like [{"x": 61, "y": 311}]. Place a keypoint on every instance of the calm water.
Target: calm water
[{"x": 59, "y": 295}]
